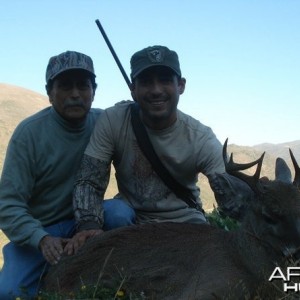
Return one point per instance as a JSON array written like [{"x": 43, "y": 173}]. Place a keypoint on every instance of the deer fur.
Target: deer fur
[{"x": 190, "y": 261}]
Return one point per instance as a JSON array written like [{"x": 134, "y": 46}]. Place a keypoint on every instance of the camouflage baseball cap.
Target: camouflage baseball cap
[
  {"x": 154, "y": 56},
  {"x": 67, "y": 61}
]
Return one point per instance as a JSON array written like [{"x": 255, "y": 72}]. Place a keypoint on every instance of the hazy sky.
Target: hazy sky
[{"x": 240, "y": 57}]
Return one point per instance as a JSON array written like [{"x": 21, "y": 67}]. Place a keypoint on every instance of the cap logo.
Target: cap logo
[{"x": 155, "y": 55}]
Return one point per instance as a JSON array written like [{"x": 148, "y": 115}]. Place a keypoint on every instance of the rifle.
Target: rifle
[{"x": 113, "y": 53}]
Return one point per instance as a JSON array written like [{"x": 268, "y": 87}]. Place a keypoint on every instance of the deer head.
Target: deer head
[{"x": 275, "y": 209}]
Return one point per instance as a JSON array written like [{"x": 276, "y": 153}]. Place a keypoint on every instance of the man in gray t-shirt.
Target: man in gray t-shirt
[{"x": 185, "y": 147}]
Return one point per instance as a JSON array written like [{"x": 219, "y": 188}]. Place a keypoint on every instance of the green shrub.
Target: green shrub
[{"x": 216, "y": 219}]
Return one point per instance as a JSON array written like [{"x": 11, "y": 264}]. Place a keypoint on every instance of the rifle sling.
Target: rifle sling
[{"x": 146, "y": 146}]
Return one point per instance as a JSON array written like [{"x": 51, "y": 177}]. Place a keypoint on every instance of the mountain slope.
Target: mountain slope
[
  {"x": 16, "y": 103},
  {"x": 281, "y": 150}
]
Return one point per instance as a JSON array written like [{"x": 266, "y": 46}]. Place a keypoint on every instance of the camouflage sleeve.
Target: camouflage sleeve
[
  {"x": 90, "y": 185},
  {"x": 231, "y": 193}
]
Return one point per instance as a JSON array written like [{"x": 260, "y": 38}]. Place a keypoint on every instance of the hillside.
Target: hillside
[
  {"x": 281, "y": 149},
  {"x": 16, "y": 103}
]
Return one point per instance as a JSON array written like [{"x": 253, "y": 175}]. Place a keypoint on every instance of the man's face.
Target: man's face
[
  {"x": 72, "y": 95},
  {"x": 157, "y": 90}
]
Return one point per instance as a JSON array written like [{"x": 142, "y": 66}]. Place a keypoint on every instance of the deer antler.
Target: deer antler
[
  {"x": 296, "y": 181},
  {"x": 234, "y": 169}
]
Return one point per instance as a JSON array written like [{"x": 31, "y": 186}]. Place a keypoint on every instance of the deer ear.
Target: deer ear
[{"x": 282, "y": 171}]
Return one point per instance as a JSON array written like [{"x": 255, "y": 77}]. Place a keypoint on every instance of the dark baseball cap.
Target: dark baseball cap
[
  {"x": 154, "y": 56},
  {"x": 69, "y": 60}
]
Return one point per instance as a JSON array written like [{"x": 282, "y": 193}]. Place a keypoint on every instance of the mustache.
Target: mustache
[{"x": 72, "y": 103}]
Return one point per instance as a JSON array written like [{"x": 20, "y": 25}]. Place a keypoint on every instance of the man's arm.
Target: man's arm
[
  {"x": 16, "y": 186},
  {"x": 231, "y": 193},
  {"x": 90, "y": 185}
]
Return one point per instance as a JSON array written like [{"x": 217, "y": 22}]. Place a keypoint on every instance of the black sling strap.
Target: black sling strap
[{"x": 148, "y": 150}]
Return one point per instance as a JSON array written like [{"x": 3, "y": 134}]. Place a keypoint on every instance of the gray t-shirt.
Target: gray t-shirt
[{"x": 186, "y": 148}]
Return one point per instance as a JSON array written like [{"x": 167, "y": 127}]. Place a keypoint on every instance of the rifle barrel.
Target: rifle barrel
[{"x": 113, "y": 53}]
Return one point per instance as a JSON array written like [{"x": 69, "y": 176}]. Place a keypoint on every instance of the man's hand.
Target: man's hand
[
  {"x": 52, "y": 248},
  {"x": 79, "y": 239}
]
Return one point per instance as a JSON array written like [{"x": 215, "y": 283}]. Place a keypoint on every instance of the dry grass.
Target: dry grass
[{"x": 16, "y": 104}]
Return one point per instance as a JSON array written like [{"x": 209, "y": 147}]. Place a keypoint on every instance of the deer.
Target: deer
[{"x": 197, "y": 261}]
